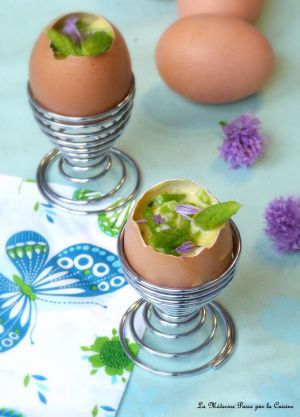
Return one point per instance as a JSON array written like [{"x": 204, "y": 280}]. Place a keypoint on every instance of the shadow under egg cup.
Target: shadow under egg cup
[
  {"x": 84, "y": 154},
  {"x": 180, "y": 314}
]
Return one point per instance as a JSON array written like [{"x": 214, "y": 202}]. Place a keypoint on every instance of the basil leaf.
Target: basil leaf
[
  {"x": 83, "y": 27},
  {"x": 62, "y": 45},
  {"x": 216, "y": 215},
  {"x": 97, "y": 44}
]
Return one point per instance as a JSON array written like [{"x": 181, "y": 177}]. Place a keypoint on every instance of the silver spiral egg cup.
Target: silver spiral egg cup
[
  {"x": 172, "y": 315},
  {"x": 84, "y": 154}
]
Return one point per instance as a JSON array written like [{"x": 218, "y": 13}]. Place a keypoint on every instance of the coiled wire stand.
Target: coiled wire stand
[
  {"x": 179, "y": 314},
  {"x": 84, "y": 154}
]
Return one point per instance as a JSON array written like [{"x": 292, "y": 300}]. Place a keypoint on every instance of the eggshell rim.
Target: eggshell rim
[
  {"x": 136, "y": 226},
  {"x": 79, "y": 14}
]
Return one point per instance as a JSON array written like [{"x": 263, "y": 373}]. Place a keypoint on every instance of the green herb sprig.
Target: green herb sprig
[{"x": 216, "y": 215}]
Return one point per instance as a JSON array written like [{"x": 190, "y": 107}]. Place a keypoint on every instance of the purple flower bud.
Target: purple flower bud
[
  {"x": 185, "y": 247},
  {"x": 70, "y": 29},
  {"x": 282, "y": 218},
  {"x": 185, "y": 210},
  {"x": 158, "y": 219},
  {"x": 243, "y": 142},
  {"x": 142, "y": 221}
]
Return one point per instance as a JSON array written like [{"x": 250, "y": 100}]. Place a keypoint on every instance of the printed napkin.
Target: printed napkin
[{"x": 62, "y": 295}]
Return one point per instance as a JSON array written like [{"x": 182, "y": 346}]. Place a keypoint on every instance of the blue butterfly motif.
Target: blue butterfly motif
[{"x": 81, "y": 270}]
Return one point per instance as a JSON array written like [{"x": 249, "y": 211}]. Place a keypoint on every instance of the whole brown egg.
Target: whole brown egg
[
  {"x": 79, "y": 85},
  {"x": 249, "y": 10},
  {"x": 214, "y": 59}
]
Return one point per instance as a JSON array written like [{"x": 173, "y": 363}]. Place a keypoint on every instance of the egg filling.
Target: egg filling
[
  {"x": 80, "y": 34},
  {"x": 179, "y": 223}
]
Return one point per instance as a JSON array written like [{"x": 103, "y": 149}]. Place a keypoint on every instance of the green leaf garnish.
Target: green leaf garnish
[
  {"x": 168, "y": 208},
  {"x": 169, "y": 240},
  {"x": 62, "y": 45},
  {"x": 173, "y": 221},
  {"x": 216, "y": 215},
  {"x": 204, "y": 197},
  {"x": 96, "y": 44},
  {"x": 78, "y": 37},
  {"x": 148, "y": 215},
  {"x": 83, "y": 27},
  {"x": 164, "y": 198}
]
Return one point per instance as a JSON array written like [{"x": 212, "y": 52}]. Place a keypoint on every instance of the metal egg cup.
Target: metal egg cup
[
  {"x": 84, "y": 153},
  {"x": 164, "y": 310}
]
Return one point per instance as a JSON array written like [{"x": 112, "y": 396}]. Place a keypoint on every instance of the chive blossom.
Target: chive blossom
[
  {"x": 70, "y": 29},
  {"x": 186, "y": 210},
  {"x": 142, "y": 221},
  {"x": 158, "y": 219},
  {"x": 243, "y": 141},
  {"x": 282, "y": 218},
  {"x": 185, "y": 247}
]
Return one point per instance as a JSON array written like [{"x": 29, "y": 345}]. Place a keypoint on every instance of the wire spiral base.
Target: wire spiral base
[
  {"x": 84, "y": 155},
  {"x": 213, "y": 314},
  {"x": 188, "y": 321}
]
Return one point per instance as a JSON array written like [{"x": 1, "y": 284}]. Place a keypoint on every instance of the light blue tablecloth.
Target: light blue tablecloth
[{"x": 171, "y": 137}]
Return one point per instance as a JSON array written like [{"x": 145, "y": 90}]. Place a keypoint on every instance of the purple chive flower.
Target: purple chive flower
[
  {"x": 70, "y": 29},
  {"x": 243, "y": 142},
  {"x": 282, "y": 218},
  {"x": 185, "y": 247},
  {"x": 158, "y": 219},
  {"x": 185, "y": 210},
  {"x": 142, "y": 221}
]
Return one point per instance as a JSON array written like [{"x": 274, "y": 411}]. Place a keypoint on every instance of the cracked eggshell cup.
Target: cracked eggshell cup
[
  {"x": 80, "y": 85},
  {"x": 206, "y": 264}
]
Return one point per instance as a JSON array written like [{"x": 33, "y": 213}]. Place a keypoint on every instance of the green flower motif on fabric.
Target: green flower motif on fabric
[
  {"x": 109, "y": 223},
  {"x": 110, "y": 355},
  {"x": 83, "y": 194}
]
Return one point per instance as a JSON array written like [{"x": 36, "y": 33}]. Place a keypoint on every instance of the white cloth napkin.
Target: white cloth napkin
[{"x": 62, "y": 295}]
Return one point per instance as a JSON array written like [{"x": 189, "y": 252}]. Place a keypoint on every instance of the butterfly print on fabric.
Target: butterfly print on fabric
[{"x": 81, "y": 270}]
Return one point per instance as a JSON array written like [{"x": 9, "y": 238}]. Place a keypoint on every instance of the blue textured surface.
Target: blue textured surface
[{"x": 171, "y": 137}]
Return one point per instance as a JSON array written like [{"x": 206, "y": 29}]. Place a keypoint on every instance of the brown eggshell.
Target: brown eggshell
[
  {"x": 249, "y": 10},
  {"x": 214, "y": 59},
  {"x": 76, "y": 85},
  {"x": 172, "y": 271}
]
